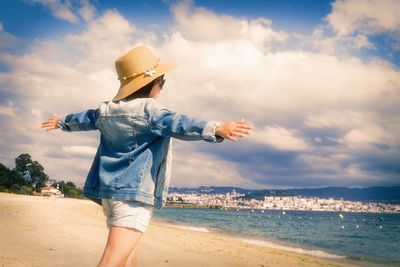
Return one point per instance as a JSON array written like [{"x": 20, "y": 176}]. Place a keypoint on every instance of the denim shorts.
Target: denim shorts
[{"x": 127, "y": 213}]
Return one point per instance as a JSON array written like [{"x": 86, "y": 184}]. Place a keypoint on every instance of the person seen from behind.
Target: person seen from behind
[{"x": 130, "y": 173}]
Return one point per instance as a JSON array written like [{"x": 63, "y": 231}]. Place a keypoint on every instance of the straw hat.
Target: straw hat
[{"x": 136, "y": 68}]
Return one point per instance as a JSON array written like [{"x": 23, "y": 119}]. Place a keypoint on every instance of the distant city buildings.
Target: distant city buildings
[{"x": 233, "y": 200}]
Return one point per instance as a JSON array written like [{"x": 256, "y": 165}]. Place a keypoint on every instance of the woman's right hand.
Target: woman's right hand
[
  {"x": 230, "y": 130},
  {"x": 51, "y": 123}
]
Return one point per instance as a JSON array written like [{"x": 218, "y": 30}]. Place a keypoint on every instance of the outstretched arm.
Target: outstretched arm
[
  {"x": 81, "y": 121},
  {"x": 167, "y": 123}
]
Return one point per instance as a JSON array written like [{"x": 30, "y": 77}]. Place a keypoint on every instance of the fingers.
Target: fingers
[
  {"x": 242, "y": 128},
  {"x": 236, "y": 133},
  {"x": 242, "y": 124},
  {"x": 47, "y": 123},
  {"x": 239, "y": 130},
  {"x": 232, "y": 130},
  {"x": 236, "y": 129},
  {"x": 231, "y": 138},
  {"x": 49, "y": 127},
  {"x": 50, "y": 124}
]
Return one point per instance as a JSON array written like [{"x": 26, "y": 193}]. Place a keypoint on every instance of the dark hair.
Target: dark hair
[{"x": 142, "y": 92}]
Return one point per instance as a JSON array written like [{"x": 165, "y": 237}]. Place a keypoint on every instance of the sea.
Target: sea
[{"x": 367, "y": 239}]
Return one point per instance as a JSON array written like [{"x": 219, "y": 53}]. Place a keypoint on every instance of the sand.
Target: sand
[{"x": 46, "y": 231}]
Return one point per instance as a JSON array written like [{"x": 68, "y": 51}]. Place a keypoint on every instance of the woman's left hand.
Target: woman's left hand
[
  {"x": 230, "y": 130},
  {"x": 51, "y": 123}
]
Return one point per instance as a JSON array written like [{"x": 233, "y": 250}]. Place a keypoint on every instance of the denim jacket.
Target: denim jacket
[{"x": 133, "y": 159}]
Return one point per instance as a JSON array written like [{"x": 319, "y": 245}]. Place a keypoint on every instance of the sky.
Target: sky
[{"x": 318, "y": 81}]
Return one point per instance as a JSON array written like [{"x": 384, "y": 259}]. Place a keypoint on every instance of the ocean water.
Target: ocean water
[{"x": 366, "y": 237}]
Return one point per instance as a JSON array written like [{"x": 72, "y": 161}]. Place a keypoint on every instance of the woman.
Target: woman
[{"x": 131, "y": 171}]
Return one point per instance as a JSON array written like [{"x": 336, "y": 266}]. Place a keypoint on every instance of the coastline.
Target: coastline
[
  {"x": 35, "y": 228},
  {"x": 276, "y": 246}
]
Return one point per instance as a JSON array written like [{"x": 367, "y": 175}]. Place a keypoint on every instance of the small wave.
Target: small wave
[
  {"x": 317, "y": 253},
  {"x": 192, "y": 228}
]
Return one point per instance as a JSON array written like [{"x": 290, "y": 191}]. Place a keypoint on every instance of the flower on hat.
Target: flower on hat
[{"x": 149, "y": 72}]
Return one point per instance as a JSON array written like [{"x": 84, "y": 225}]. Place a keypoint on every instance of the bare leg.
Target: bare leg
[
  {"x": 121, "y": 243},
  {"x": 132, "y": 259}
]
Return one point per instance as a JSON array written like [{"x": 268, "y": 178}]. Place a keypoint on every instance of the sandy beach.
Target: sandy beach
[{"x": 46, "y": 231}]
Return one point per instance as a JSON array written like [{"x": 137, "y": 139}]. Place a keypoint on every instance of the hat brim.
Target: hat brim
[{"x": 132, "y": 85}]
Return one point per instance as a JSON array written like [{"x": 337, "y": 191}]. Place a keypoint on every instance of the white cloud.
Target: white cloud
[
  {"x": 196, "y": 168},
  {"x": 348, "y": 27},
  {"x": 293, "y": 98},
  {"x": 361, "y": 41},
  {"x": 367, "y": 135},
  {"x": 279, "y": 138},
  {"x": 59, "y": 9},
  {"x": 72, "y": 64},
  {"x": 199, "y": 24},
  {"x": 8, "y": 110},
  {"x": 237, "y": 75},
  {"x": 343, "y": 119},
  {"x": 79, "y": 151},
  {"x": 87, "y": 11},
  {"x": 364, "y": 16},
  {"x": 7, "y": 40},
  {"x": 74, "y": 69},
  {"x": 68, "y": 10},
  {"x": 322, "y": 163}
]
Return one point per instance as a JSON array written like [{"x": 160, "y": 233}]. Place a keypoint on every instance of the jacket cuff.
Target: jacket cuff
[
  {"x": 209, "y": 132},
  {"x": 61, "y": 124}
]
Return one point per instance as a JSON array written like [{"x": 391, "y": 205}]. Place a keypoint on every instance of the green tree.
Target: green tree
[
  {"x": 38, "y": 175},
  {"x": 61, "y": 186},
  {"x": 22, "y": 163},
  {"x": 69, "y": 189},
  {"x": 32, "y": 171},
  {"x": 4, "y": 175},
  {"x": 9, "y": 177},
  {"x": 15, "y": 177},
  {"x": 26, "y": 190},
  {"x": 70, "y": 184},
  {"x": 15, "y": 188}
]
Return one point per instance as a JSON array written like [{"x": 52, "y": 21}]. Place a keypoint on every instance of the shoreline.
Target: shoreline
[
  {"x": 175, "y": 244},
  {"x": 279, "y": 245},
  {"x": 263, "y": 242},
  {"x": 274, "y": 245}
]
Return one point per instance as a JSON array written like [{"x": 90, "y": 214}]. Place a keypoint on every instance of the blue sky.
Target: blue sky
[
  {"x": 35, "y": 20},
  {"x": 288, "y": 15},
  {"x": 318, "y": 81}
]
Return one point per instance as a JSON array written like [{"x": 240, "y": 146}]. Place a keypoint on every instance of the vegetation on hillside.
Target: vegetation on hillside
[{"x": 28, "y": 178}]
